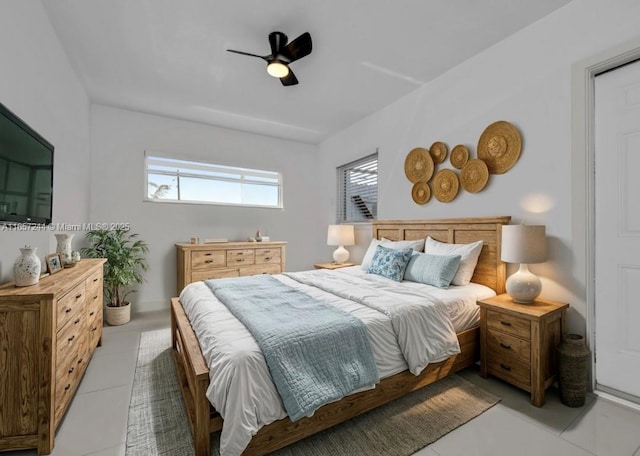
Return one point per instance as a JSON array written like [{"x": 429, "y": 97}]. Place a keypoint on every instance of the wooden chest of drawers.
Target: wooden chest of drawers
[
  {"x": 518, "y": 342},
  {"x": 48, "y": 333},
  {"x": 228, "y": 259}
]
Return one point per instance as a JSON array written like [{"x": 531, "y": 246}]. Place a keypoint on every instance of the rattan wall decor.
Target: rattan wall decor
[{"x": 499, "y": 148}]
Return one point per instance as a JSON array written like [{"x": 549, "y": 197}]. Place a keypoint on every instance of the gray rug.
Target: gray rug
[{"x": 158, "y": 424}]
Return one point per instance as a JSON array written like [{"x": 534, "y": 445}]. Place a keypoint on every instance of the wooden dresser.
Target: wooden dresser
[
  {"x": 518, "y": 342},
  {"x": 228, "y": 259},
  {"x": 48, "y": 333}
]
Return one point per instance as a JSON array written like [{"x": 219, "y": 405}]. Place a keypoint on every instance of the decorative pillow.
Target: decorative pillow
[
  {"x": 469, "y": 254},
  {"x": 417, "y": 246},
  {"x": 436, "y": 270},
  {"x": 390, "y": 263}
]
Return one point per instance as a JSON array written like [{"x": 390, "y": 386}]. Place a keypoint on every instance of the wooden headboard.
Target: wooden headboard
[{"x": 490, "y": 271}]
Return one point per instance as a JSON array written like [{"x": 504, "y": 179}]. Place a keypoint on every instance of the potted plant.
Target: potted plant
[{"x": 126, "y": 262}]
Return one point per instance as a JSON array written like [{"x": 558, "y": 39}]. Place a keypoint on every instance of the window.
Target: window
[
  {"x": 173, "y": 180},
  {"x": 358, "y": 190}
]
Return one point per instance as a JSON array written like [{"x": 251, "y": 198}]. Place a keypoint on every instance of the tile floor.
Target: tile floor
[{"x": 96, "y": 423}]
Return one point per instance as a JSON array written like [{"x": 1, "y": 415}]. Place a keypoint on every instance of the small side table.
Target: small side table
[
  {"x": 518, "y": 342},
  {"x": 332, "y": 265}
]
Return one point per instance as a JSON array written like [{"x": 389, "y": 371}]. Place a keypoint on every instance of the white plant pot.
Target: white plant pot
[{"x": 117, "y": 316}]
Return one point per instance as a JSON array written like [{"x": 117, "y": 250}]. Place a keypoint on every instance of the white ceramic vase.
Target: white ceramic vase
[
  {"x": 26, "y": 269},
  {"x": 64, "y": 247}
]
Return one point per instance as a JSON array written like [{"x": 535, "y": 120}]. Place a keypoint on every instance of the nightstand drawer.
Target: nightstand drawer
[
  {"x": 505, "y": 344},
  {"x": 208, "y": 259},
  {"x": 509, "y": 324},
  {"x": 510, "y": 368}
]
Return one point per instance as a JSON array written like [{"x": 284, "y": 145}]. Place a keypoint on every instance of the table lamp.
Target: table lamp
[
  {"x": 340, "y": 235},
  {"x": 524, "y": 244}
]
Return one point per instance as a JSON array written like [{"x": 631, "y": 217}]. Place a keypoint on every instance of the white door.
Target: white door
[{"x": 617, "y": 227}]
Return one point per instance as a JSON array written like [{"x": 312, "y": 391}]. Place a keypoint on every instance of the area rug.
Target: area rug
[{"x": 158, "y": 424}]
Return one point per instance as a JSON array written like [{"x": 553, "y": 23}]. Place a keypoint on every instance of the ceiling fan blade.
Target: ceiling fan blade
[
  {"x": 249, "y": 54},
  {"x": 298, "y": 48},
  {"x": 277, "y": 41},
  {"x": 289, "y": 79}
]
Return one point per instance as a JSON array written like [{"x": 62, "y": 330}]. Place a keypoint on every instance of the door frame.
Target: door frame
[{"x": 583, "y": 75}]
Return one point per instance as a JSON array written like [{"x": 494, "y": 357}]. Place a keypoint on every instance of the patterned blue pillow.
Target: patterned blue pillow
[
  {"x": 390, "y": 263},
  {"x": 436, "y": 270}
]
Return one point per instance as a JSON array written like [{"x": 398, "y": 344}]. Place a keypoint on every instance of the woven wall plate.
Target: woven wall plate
[
  {"x": 438, "y": 151},
  {"x": 445, "y": 185},
  {"x": 421, "y": 193},
  {"x": 418, "y": 166},
  {"x": 499, "y": 147},
  {"x": 474, "y": 175},
  {"x": 459, "y": 156}
]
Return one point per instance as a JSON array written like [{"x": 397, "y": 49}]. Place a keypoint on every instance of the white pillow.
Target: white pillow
[
  {"x": 469, "y": 257},
  {"x": 416, "y": 245}
]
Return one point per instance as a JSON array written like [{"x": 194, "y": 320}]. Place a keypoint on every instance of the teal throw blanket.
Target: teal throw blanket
[{"x": 316, "y": 353}]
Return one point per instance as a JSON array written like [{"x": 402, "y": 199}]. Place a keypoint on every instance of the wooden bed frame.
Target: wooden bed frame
[{"x": 193, "y": 373}]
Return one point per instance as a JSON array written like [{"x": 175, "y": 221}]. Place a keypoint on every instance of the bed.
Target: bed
[{"x": 194, "y": 373}]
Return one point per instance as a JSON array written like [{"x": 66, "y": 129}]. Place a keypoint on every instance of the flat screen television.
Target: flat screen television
[{"x": 26, "y": 172}]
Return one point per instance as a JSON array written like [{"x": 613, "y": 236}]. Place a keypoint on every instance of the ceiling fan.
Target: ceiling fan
[{"x": 282, "y": 54}]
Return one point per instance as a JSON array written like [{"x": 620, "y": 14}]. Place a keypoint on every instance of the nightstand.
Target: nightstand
[
  {"x": 518, "y": 342},
  {"x": 332, "y": 265}
]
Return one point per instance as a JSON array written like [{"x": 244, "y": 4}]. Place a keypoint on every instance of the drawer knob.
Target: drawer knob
[
  {"x": 92, "y": 313},
  {"x": 76, "y": 322},
  {"x": 79, "y": 295},
  {"x": 66, "y": 388},
  {"x": 71, "y": 370},
  {"x": 70, "y": 339},
  {"x": 208, "y": 261},
  {"x": 96, "y": 279},
  {"x": 95, "y": 328},
  {"x": 267, "y": 258},
  {"x": 80, "y": 360},
  {"x": 505, "y": 367},
  {"x": 507, "y": 346},
  {"x": 207, "y": 254},
  {"x": 67, "y": 310},
  {"x": 505, "y": 323}
]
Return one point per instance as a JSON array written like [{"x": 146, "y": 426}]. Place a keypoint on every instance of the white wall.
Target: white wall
[
  {"x": 119, "y": 140},
  {"x": 526, "y": 80},
  {"x": 38, "y": 84}
]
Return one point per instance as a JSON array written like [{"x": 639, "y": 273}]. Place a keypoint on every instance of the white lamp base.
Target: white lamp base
[
  {"x": 341, "y": 255},
  {"x": 524, "y": 286}
]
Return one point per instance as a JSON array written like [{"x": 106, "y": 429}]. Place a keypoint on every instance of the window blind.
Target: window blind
[{"x": 357, "y": 192}]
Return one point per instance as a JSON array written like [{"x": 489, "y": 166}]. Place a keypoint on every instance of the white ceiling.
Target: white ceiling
[{"x": 168, "y": 56}]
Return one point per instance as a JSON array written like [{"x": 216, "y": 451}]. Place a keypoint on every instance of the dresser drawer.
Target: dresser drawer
[
  {"x": 510, "y": 369},
  {"x": 508, "y": 345},
  {"x": 214, "y": 274},
  {"x": 240, "y": 257},
  {"x": 260, "y": 269},
  {"x": 70, "y": 305},
  {"x": 509, "y": 324},
  {"x": 207, "y": 259},
  {"x": 266, "y": 256},
  {"x": 69, "y": 339}
]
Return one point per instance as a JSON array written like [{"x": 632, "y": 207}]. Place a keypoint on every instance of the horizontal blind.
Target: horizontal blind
[{"x": 357, "y": 192}]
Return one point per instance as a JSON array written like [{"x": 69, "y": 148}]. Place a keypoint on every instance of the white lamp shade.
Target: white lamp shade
[
  {"x": 524, "y": 244},
  {"x": 341, "y": 235}
]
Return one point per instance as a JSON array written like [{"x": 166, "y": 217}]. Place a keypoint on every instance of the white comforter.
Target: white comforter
[{"x": 242, "y": 390}]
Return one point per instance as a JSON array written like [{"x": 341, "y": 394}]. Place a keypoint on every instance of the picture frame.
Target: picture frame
[{"x": 54, "y": 263}]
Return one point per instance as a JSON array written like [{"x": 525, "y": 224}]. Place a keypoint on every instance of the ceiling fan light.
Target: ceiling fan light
[{"x": 277, "y": 69}]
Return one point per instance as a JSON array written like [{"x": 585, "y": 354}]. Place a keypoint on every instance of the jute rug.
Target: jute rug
[{"x": 158, "y": 424}]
